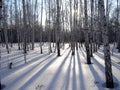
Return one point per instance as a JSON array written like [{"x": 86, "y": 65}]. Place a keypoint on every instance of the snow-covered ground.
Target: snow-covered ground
[{"x": 49, "y": 72}]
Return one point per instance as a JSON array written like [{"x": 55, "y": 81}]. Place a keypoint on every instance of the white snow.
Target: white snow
[{"x": 49, "y": 72}]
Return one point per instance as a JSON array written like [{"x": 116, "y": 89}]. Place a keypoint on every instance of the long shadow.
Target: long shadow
[
  {"x": 8, "y": 58},
  {"x": 29, "y": 64},
  {"x": 65, "y": 51},
  {"x": 96, "y": 76},
  {"x": 11, "y": 57},
  {"x": 15, "y": 59},
  {"x": 83, "y": 53},
  {"x": 81, "y": 78},
  {"x": 53, "y": 81},
  {"x": 27, "y": 72},
  {"x": 38, "y": 58},
  {"x": 114, "y": 56},
  {"x": 34, "y": 58},
  {"x": 34, "y": 52},
  {"x": 29, "y": 61},
  {"x": 11, "y": 54},
  {"x": 67, "y": 77},
  {"x": 38, "y": 74},
  {"x": 113, "y": 63},
  {"x": 102, "y": 67},
  {"x": 115, "y": 59},
  {"x": 74, "y": 85}
]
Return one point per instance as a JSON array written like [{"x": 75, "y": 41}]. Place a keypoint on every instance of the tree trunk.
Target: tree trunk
[
  {"x": 49, "y": 32},
  {"x": 86, "y": 33},
  {"x": 25, "y": 28},
  {"x": 16, "y": 24},
  {"x": 41, "y": 51},
  {"x": 118, "y": 35},
  {"x": 108, "y": 66},
  {"x": 58, "y": 27},
  {"x": 91, "y": 33}
]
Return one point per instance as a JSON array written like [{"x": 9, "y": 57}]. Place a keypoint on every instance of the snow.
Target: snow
[{"x": 49, "y": 72}]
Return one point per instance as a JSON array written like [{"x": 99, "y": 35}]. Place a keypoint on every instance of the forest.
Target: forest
[{"x": 86, "y": 27}]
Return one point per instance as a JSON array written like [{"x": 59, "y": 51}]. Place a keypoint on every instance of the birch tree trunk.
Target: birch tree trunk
[
  {"x": 49, "y": 32},
  {"x": 11, "y": 17},
  {"x": 33, "y": 30},
  {"x": 0, "y": 37},
  {"x": 118, "y": 35},
  {"x": 25, "y": 24},
  {"x": 95, "y": 26},
  {"x": 20, "y": 26},
  {"x": 63, "y": 25},
  {"x": 16, "y": 24},
  {"x": 86, "y": 33},
  {"x": 91, "y": 31},
  {"x": 81, "y": 21},
  {"x": 76, "y": 23},
  {"x": 73, "y": 28},
  {"x": 41, "y": 51},
  {"x": 58, "y": 27},
  {"x": 108, "y": 66}
]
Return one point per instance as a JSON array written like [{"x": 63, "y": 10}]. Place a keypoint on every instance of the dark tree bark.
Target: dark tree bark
[
  {"x": 117, "y": 27},
  {"x": 108, "y": 66},
  {"x": 41, "y": 51},
  {"x": 86, "y": 33},
  {"x": 25, "y": 26},
  {"x": 91, "y": 33},
  {"x": 58, "y": 27}
]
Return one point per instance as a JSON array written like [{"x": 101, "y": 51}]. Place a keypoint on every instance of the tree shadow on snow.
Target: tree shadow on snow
[
  {"x": 101, "y": 55},
  {"x": 38, "y": 74},
  {"x": 102, "y": 67},
  {"x": 114, "y": 55},
  {"x": 21, "y": 76},
  {"x": 67, "y": 76},
  {"x": 56, "y": 76},
  {"x": 74, "y": 85},
  {"x": 81, "y": 77},
  {"x": 16, "y": 69}
]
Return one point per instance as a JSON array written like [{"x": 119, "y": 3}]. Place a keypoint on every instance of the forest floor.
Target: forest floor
[{"x": 49, "y": 72}]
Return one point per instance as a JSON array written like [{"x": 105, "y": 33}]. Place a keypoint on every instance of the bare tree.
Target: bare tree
[
  {"x": 86, "y": 33},
  {"x": 25, "y": 26},
  {"x": 25, "y": 29},
  {"x": 11, "y": 21},
  {"x": 103, "y": 24},
  {"x": 58, "y": 27},
  {"x": 0, "y": 37},
  {"x": 118, "y": 35},
  {"x": 16, "y": 24},
  {"x": 41, "y": 27},
  {"x": 91, "y": 31},
  {"x": 34, "y": 17},
  {"x": 50, "y": 48}
]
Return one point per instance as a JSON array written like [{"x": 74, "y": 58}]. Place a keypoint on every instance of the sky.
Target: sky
[{"x": 114, "y": 4}]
